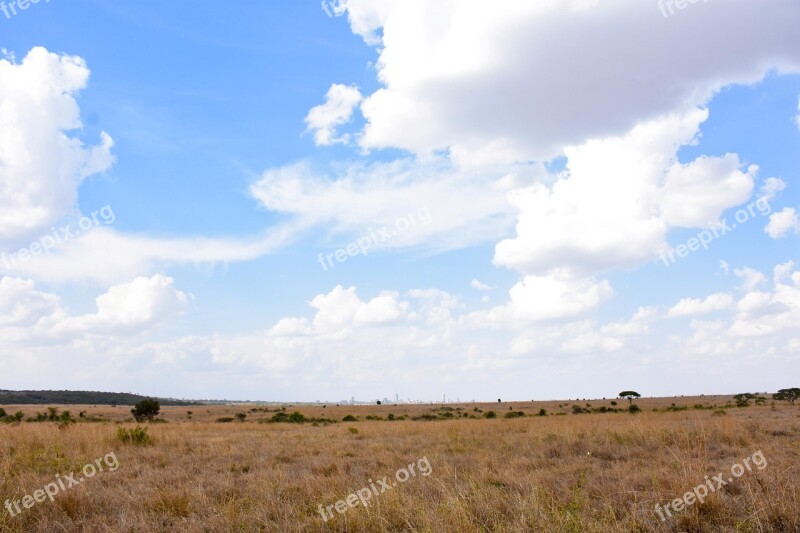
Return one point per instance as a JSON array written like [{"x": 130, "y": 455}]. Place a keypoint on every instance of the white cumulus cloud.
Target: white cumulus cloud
[
  {"x": 696, "y": 306},
  {"x": 336, "y": 111},
  {"x": 41, "y": 163},
  {"x": 783, "y": 223}
]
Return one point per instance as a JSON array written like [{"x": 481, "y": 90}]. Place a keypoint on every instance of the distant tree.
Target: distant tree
[
  {"x": 629, "y": 395},
  {"x": 743, "y": 399},
  {"x": 379, "y": 402},
  {"x": 3, "y": 413},
  {"x": 499, "y": 400},
  {"x": 145, "y": 410},
  {"x": 789, "y": 395}
]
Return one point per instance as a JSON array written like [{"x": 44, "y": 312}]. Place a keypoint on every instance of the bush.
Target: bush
[
  {"x": 225, "y": 419},
  {"x": 352, "y": 430},
  {"x": 542, "y": 412},
  {"x": 613, "y": 402},
  {"x": 65, "y": 419},
  {"x": 489, "y": 414},
  {"x": 514, "y": 414},
  {"x": 349, "y": 418},
  {"x": 145, "y": 410},
  {"x": 9, "y": 419},
  {"x": 633, "y": 409},
  {"x": 295, "y": 418},
  {"x": 241, "y": 416},
  {"x": 136, "y": 436}
]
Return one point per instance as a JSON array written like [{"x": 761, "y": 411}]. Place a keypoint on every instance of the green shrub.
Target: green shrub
[
  {"x": 349, "y": 418},
  {"x": 136, "y": 436},
  {"x": 65, "y": 419},
  {"x": 145, "y": 410},
  {"x": 225, "y": 419},
  {"x": 514, "y": 414},
  {"x": 633, "y": 409},
  {"x": 296, "y": 418},
  {"x": 489, "y": 414},
  {"x": 542, "y": 412},
  {"x": 604, "y": 409},
  {"x": 10, "y": 419}
]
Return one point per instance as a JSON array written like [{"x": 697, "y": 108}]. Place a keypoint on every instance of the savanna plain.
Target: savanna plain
[{"x": 574, "y": 466}]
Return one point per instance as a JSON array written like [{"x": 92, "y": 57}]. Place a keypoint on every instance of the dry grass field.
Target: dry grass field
[{"x": 602, "y": 472}]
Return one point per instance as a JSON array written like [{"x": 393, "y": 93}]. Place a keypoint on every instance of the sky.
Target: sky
[{"x": 295, "y": 201}]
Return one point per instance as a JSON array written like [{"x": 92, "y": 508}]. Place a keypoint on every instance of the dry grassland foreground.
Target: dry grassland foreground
[{"x": 681, "y": 464}]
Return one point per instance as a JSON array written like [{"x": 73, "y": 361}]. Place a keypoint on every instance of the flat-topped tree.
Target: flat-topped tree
[
  {"x": 789, "y": 395},
  {"x": 630, "y": 395}
]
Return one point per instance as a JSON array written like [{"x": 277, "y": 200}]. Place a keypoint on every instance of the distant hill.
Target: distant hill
[{"x": 10, "y": 397}]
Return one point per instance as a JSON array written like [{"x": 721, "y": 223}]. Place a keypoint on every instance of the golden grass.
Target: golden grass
[{"x": 573, "y": 473}]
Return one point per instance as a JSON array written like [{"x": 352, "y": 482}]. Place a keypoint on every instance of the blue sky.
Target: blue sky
[{"x": 505, "y": 198}]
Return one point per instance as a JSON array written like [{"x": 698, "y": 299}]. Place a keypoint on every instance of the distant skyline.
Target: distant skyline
[{"x": 291, "y": 201}]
